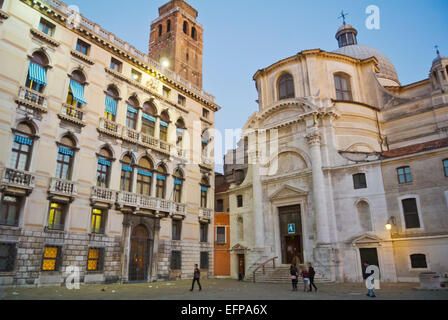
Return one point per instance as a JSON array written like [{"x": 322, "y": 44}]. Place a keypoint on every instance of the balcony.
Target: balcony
[
  {"x": 139, "y": 201},
  {"x": 72, "y": 114},
  {"x": 130, "y": 134},
  {"x": 110, "y": 127},
  {"x": 205, "y": 214},
  {"x": 64, "y": 188},
  {"x": 17, "y": 179},
  {"x": 148, "y": 141},
  {"x": 103, "y": 195},
  {"x": 31, "y": 98}
]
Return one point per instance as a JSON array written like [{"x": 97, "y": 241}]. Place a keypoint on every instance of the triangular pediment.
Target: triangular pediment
[
  {"x": 287, "y": 191},
  {"x": 366, "y": 238},
  {"x": 238, "y": 247}
]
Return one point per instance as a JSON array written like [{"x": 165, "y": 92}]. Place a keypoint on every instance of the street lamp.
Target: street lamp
[{"x": 389, "y": 223}]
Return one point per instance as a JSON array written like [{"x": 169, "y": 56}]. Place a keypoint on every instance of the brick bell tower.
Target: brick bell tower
[{"x": 176, "y": 36}]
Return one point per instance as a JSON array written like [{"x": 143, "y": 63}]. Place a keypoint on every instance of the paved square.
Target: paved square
[{"x": 222, "y": 289}]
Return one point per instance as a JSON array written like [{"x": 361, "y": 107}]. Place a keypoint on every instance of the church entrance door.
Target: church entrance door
[{"x": 291, "y": 233}]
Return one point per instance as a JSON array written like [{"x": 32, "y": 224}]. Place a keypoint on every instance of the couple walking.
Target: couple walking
[{"x": 308, "y": 278}]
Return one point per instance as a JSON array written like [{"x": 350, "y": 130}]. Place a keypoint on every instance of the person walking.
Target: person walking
[
  {"x": 294, "y": 276},
  {"x": 196, "y": 277},
  {"x": 311, "y": 274},
  {"x": 369, "y": 279},
  {"x": 306, "y": 279}
]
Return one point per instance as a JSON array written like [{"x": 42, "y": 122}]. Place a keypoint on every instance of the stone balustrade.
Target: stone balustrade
[
  {"x": 32, "y": 98},
  {"x": 17, "y": 179},
  {"x": 71, "y": 113},
  {"x": 100, "y": 194},
  {"x": 140, "y": 201},
  {"x": 63, "y": 187},
  {"x": 205, "y": 214}
]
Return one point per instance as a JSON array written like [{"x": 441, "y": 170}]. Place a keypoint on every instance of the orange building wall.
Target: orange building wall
[{"x": 222, "y": 251}]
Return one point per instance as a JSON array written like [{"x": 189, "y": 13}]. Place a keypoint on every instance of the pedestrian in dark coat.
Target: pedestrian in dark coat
[
  {"x": 311, "y": 274},
  {"x": 196, "y": 277},
  {"x": 294, "y": 277}
]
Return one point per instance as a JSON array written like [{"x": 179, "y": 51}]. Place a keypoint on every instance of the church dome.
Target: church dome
[
  {"x": 348, "y": 46},
  {"x": 386, "y": 68}
]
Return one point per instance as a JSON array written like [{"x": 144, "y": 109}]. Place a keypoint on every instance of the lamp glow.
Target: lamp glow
[
  {"x": 388, "y": 226},
  {"x": 165, "y": 63}
]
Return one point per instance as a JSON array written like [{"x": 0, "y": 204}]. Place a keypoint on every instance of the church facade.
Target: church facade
[
  {"x": 102, "y": 167},
  {"x": 342, "y": 164}
]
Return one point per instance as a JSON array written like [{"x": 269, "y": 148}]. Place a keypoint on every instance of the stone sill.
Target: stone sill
[
  {"x": 82, "y": 57},
  {"x": 45, "y": 37}
]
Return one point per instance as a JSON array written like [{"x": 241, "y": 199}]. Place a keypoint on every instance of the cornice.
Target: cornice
[{"x": 58, "y": 10}]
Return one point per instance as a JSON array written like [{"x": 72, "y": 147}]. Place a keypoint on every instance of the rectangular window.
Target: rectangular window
[
  {"x": 177, "y": 228},
  {"x": 219, "y": 205},
  {"x": 115, "y": 64},
  {"x": 176, "y": 260},
  {"x": 56, "y": 216},
  {"x": 343, "y": 89},
  {"x": 166, "y": 92},
  {"x": 239, "y": 200},
  {"x": 181, "y": 100},
  {"x": 359, "y": 181},
  {"x": 131, "y": 118},
  {"x": 64, "y": 163},
  {"x": 205, "y": 113},
  {"x": 163, "y": 133},
  {"x": 410, "y": 212},
  {"x": 102, "y": 172},
  {"x": 46, "y": 27},
  {"x": 148, "y": 126},
  {"x": 95, "y": 261},
  {"x": 125, "y": 180},
  {"x": 136, "y": 76},
  {"x": 9, "y": 210},
  {"x": 220, "y": 235},
  {"x": 204, "y": 260},
  {"x": 98, "y": 221},
  {"x": 445, "y": 167},
  {"x": 404, "y": 175},
  {"x": 8, "y": 253},
  {"x": 82, "y": 47},
  {"x": 203, "y": 232},
  {"x": 418, "y": 261},
  {"x": 21, "y": 152},
  {"x": 204, "y": 196},
  {"x": 52, "y": 258}
]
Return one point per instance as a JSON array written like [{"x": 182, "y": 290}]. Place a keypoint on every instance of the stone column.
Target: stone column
[
  {"x": 319, "y": 194},
  {"x": 153, "y": 184},
  {"x": 125, "y": 244},
  {"x": 169, "y": 195},
  {"x": 157, "y": 129},
  {"x": 257, "y": 190},
  {"x": 155, "y": 251}
]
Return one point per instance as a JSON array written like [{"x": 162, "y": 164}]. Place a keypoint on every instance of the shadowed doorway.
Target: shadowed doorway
[
  {"x": 290, "y": 233},
  {"x": 139, "y": 254}
]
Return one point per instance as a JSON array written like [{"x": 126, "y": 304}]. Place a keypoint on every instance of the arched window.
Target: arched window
[
  {"x": 160, "y": 30},
  {"x": 65, "y": 158},
  {"x": 204, "y": 190},
  {"x": 103, "y": 168},
  {"x": 111, "y": 103},
  {"x": 22, "y": 147},
  {"x": 164, "y": 121},
  {"x": 343, "y": 87},
  {"x": 180, "y": 129},
  {"x": 144, "y": 176},
  {"x": 168, "y": 26},
  {"x": 418, "y": 261},
  {"x": 75, "y": 95},
  {"x": 178, "y": 182},
  {"x": 193, "y": 33},
  {"x": 126, "y": 173},
  {"x": 37, "y": 72},
  {"x": 160, "y": 185},
  {"x": 205, "y": 141},
  {"x": 149, "y": 119},
  {"x": 185, "y": 27},
  {"x": 364, "y": 215},
  {"x": 285, "y": 86},
  {"x": 131, "y": 113}
]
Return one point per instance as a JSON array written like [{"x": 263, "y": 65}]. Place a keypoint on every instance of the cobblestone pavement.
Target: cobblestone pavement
[{"x": 222, "y": 289}]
